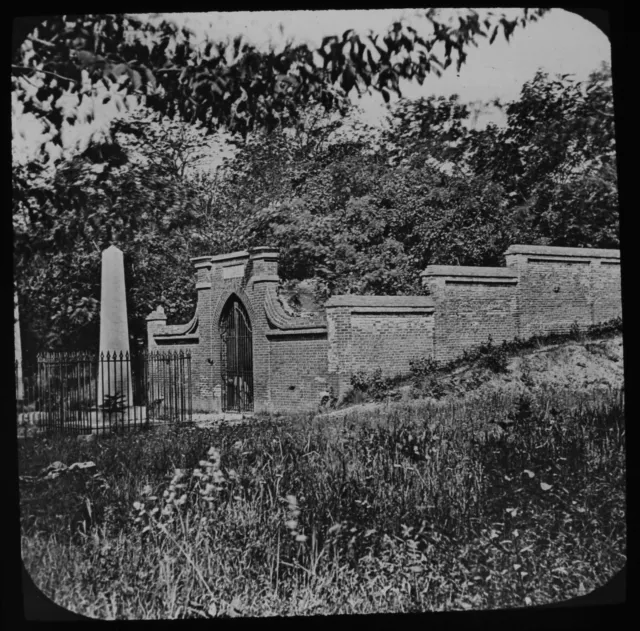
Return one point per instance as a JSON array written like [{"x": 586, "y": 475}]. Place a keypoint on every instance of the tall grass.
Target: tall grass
[{"x": 490, "y": 503}]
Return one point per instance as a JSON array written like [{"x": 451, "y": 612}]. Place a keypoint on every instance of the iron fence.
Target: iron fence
[{"x": 86, "y": 392}]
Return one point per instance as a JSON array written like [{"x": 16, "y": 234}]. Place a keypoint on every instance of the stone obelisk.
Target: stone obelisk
[
  {"x": 17, "y": 348},
  {"x": 114, "y": 377}
]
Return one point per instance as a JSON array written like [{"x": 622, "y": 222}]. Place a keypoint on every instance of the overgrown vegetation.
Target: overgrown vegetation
[
  {"x": 494, "y": 503},
  {"x": 373, "y": 386},
  {"x": 429, "y": 376},
  {"x": 352, "y": 209}
]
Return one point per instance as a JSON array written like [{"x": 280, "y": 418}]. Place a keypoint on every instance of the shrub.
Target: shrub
[
  {"x": 495, "y": 358},
  {"x": 374, "y": 384},
  {"x": 574, "y": 332},
  {"x": 423, "y": 366}
]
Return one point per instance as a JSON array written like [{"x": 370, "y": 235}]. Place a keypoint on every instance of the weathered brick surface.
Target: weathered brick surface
[
  {"x": 298, "y": 358},
  {"x": 606, "y": 290},
  {"x": 278, "y": 363},
  {"x": 369, "y": 332},
  {"x": 560, "y": 286},
  {"x": 298, "y": 371},
  {"x": 471, "y": 305}
]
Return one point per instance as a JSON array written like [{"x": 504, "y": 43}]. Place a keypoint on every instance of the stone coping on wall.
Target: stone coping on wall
[
  {"x": 260, "y": 252},
  {"x": 176, "y": 339},
  {"x": 547, "y": 250},
  {"x": 223, "y": 258},
  {"x": 370, "y": 304},
  {"x": 320, "y": 330},
  {"x": 175, "y": 333},
  {"x": 470, "y": 272}
]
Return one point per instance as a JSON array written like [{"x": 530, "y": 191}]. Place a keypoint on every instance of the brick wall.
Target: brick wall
[
  {"x": 250, "y": 276},
  {"x": 471, "y": 303},
  {"x": 298, "y": 370},
  {"x": 369, "y": 332},
  {"x": 606, "y": 290},
  {"x": 560, "y": 286},
  {"x": 542, "y": 290},
  {"x": 298, "y": 358}
]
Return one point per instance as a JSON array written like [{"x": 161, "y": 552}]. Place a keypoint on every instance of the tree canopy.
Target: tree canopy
[
  {"x": 67, "y": 60},
  {"x": 351, "y": 210}
]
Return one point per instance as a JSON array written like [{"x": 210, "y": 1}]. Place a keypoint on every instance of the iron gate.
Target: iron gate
[{"x": 236, "y": 361}]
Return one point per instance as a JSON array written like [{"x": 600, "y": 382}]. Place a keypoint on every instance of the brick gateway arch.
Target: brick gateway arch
[
  {"x": 236, "y": 357},
  {"x": 251, "y": 352}
]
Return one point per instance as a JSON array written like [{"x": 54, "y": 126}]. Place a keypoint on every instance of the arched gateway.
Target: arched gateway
[
  {"x": 236, "y": 357},
  {"x": 251, "y": 352}
]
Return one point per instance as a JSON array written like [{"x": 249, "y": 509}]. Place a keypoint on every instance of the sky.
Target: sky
[{"x": 560, "y": 42}]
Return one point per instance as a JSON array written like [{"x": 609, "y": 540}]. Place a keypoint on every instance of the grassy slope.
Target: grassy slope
[
  {"x": 593, "y": 364},
  {"x": 573, "y": 365}
]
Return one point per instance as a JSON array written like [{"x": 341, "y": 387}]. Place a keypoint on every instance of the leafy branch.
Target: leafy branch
[{"x": 46, "y": 72}]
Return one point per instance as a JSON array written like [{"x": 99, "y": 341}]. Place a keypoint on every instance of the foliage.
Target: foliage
[
  {"x": 374, "y": 385},
  {"x": 359, "y": 213},
  {"x": 491, "y": 356},
  {"x": 114, "y": 403},
  {"x": 422, "y": 508},
  {"x": 351, "y": 210},
  {"x": 138, "y": 201},
  {"x": 68, "y": 60},
  {"x": 556, "y": 161},
  {"x": 345, "y": 218},
  {"x": 429, "y": 376}
]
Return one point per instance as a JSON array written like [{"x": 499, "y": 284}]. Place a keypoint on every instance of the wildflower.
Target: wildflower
[
  {"x": 291, "y": 524},
  {"x": 214, "y": 454},
  {"x": 147, "y": 490},
  {"x": 301, "y": 538},
  {"x": 137, "y": 506}
]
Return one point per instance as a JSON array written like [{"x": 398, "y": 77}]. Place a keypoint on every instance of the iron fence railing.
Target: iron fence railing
[{"x": 85, "y": 392}]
